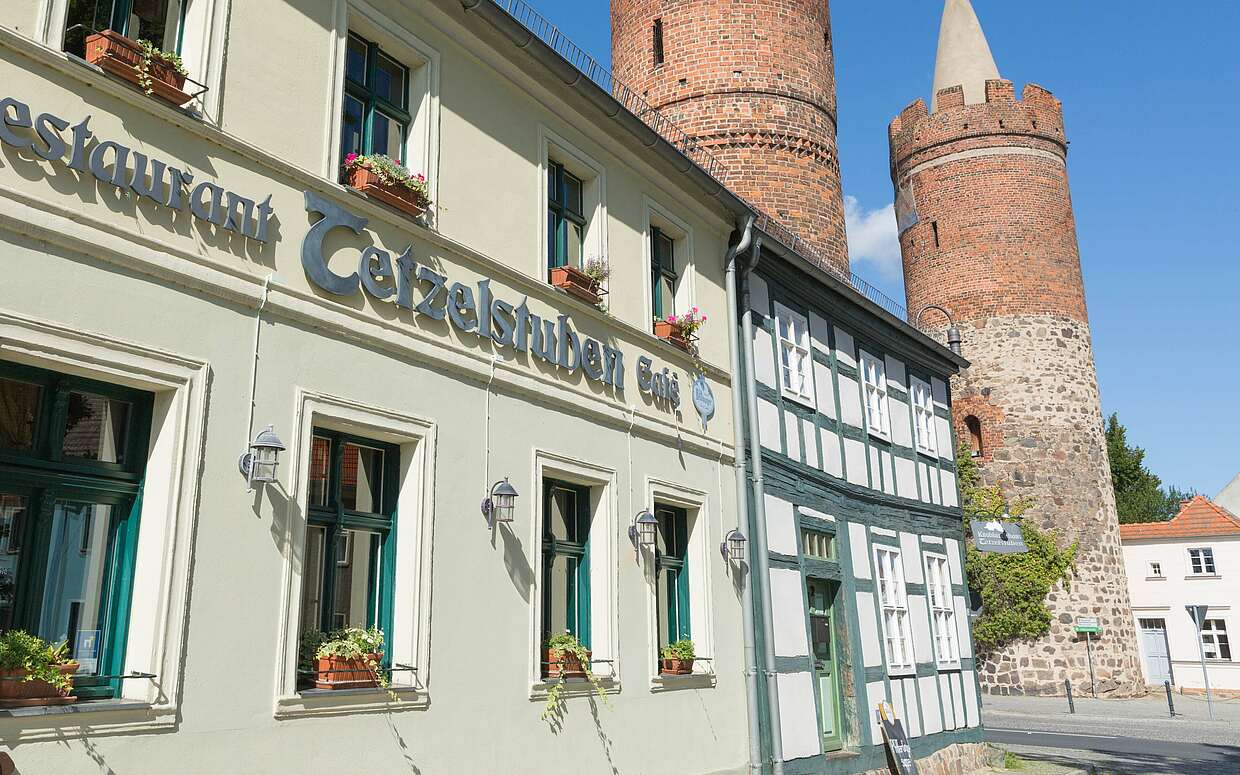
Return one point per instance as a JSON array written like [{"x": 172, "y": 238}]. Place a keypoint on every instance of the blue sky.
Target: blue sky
[{"x": 1150, "y": 96}]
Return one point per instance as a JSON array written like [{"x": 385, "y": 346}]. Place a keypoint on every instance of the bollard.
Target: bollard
[
  {"x": 1170, "y": 702},
  {"x": 1068, "y": 685}
]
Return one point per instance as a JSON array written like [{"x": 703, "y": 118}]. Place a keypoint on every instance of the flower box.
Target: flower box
[
  {"x": 394, "y": 195},
  {"x": 673, "y": 334},
  {"x": 676, "y": 666},
  {"x": 577, "y": 283},
  {"x": 20, "y": 694},
  {"x": 123, "y": 57},
  {"x": 563, "y": 664},
  {"x": 348, "y": 672}
]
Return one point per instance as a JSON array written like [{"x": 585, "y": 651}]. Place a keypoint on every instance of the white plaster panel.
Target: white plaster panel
[
  {"x": 910, "y": 554},
  {"x": 928, "y": 485},
  {"x": 906, "y": 478},
  {"x": 949, "y": 488},
  {"x": 850, "y": 401},
  {"x": 919, "y": 613},
  {"x": 897, "y": 701},
  {"x": 818, "y": 334},
  {"x": 938, "y": 390},
  {"x": 859, "y": 543},
  {"x": 781, "y": 531},
  {"x": 854, "y": 457},
  {"x": 957, "y": 700},
  {"x": 933, "y": 719},
  {"x": 763, "y": 357},
  {"x": 876, "y": 476},
  {"x": 901, "y": 423},
  {"x": 882, "y": 531},
  {"x": 867, "y": 628},
  {"x": 943, "y": 438},
  {"x": 945, "y": 693},
  {"x": 816, "y": 513},
  {"x": 792, "y": 433},
  {"x": 809, "y": 432},
  {"x": 768, "y": 425},
  {"x": 895, "y": 373},
  {"x": 875, "y": 692},
  {"x": 798, "y": 716},
  {"x": 962, "y": 626},
  {"x": 910, "y": 703},
  {"x": 759, "y": 296},
  {"x": 845, "y": 348},
  {"x": 886, "y": 460},
  {"x": 970, "y": 699},
  {"x": 952, "y": 548},
  {"x": 788, "y": 613},
  {"x": 936, "y": 540},
  {"x": 824, "y": 389},
  {"x": 832, "y": 458}
]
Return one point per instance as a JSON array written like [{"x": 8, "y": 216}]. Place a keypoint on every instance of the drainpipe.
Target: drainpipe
[
  {"x": 763, "y": 571},
  {"x": 742, "y": 494}
]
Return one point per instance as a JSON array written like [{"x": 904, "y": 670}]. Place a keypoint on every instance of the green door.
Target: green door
[{"x": 822, "y": 635}]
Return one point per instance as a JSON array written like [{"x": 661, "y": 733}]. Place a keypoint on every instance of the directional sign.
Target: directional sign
[
  {"x": 1088, "y": 624},
  {"x": 998, "y": 537}
]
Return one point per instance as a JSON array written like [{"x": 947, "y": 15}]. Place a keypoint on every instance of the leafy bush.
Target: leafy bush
[{"x": 20, "y": 650}]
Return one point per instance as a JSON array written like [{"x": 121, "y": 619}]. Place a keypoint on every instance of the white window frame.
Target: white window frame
[
  {"x": 922, "y": 399},
  {"x": 1204, "y": 558},
  {"x": 1210, "y": 640},
  {"x": 796, "y": 382},
  {"x": 681, "y": 234},
  {"x": 554, "y": 147},
  {"x": 874, "y": 395},
  {"x": 944, "y": 632},
  {"x": 1156, "y": 570},
  {"x": 420, "y": 153},
  {"x": 893, "y": 609},
  {"x": 409, "y": 641}
]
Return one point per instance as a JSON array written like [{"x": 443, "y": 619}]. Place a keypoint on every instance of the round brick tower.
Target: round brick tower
[
  {"x": 987, "y": 232},
  {"x": 754, "y": 82}
]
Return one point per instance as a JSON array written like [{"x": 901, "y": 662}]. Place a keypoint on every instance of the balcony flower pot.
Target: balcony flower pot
[
  {"x": 130, "y": 61},
  {"x": 563, "y": 664},
  {"x": 386, "y": 180},
  {"x": 675, "y": 666},
  {"x": 336, "y": 672},
  {"x": 673, "y": 334},
  {"x": 18, "y": 693},
  {"x": 576, "y": 282}
]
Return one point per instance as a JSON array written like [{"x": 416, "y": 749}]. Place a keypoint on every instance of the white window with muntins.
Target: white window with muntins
[
  {"x": 874, "y": 379},
  {"x": 1156, "y": 570},
  {"x": 893, "y": 598},
  {"x": 939, "y": 589},
  {"x": 1201, "y": 562},
  {"x": 923, "y": 416},
  {"x": 796, "y": 364},
  {"x": 1214, "y": 643}
]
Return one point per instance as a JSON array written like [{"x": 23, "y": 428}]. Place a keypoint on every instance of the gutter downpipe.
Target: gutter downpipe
[
  {"x": 758, "y": 517},
  {"x": 742, "y": 496}
]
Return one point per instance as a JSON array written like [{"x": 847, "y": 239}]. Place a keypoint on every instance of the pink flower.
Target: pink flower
[
  {"x": 352, "y": 157},
  {"x": 703, "y": 318}
]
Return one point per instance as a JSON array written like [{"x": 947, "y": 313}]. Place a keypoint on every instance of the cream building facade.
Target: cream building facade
[{"x": 403, "y": 365}]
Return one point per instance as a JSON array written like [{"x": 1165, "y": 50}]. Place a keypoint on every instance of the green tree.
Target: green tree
[
  {"x": 1013, "y": 587},
  {"x": 1139, "y": 494}
]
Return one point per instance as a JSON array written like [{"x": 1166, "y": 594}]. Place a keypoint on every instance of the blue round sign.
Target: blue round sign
[{"x": 703, "y": 398}]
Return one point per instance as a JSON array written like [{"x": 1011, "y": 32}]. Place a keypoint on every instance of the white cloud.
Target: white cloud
[{"x": 873, "y": 238}]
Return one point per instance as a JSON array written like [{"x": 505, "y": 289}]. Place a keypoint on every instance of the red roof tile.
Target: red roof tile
[{"x": 1198, "y": 517}]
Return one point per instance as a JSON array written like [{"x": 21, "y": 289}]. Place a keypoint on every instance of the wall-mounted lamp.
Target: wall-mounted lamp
[
  {"x": 499, "y": 504},
  {"x": 643, "y": 529},
  {"x": 259, "y": 463},
  {"x": 733, "y": 546},
  {"x": 953, "y": 333}
]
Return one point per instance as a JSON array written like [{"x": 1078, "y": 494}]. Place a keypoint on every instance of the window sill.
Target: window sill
[
  {"x": 1155, "y": 578},
  {"x": 334, "y": 702},
  {"x": 880, "y": 435},
  {"x": 48, "y": 722},
  {"x": 902, "y": 671},
  {"x": 933, "y": 454},
  {"x": 94, "y": 706},
  {"x": 1203, "y": 576},
  {"x": 947, "y": 667},
  {"x": 575, "y": 687},
  {"x": 799, "y": 399},
  {"x": 671, "y": 683}
]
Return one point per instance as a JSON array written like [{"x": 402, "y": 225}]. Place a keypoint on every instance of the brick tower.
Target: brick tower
[
  {"x": 754, "y": 82},
  {"x": 987, "y": 232}
]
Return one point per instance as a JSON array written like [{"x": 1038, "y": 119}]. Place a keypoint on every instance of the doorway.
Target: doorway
[
  {"x": 1157, "y": 655},
  {"x": 822, "y": 627}
]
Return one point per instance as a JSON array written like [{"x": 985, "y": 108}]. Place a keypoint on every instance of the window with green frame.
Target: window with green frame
[
  {"x": 72, "y": 456},
  {"x": 162, "y": 22},
  {"x": 376, "y": 102},
  {"x": 350, "y": 533},
  {"x": 672, "y": 574},
  {"x": 662, "y": 274},
  {"x": 566, "y": 560},
  {"x": 566, "y": 220}
]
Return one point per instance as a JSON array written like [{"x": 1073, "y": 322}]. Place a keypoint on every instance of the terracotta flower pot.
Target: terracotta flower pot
[
  {"x": 671, "y": 333},
  {"x": 676, "y": 666},
  {"x": 20, "y": 694},
  {"x": 347, "y": 672},
  {"x": 563, "y": 664},
  {"x": 122, "y": 57},
  {"x": 575, "y": 282},
  {"x": 398, "y": 196}
]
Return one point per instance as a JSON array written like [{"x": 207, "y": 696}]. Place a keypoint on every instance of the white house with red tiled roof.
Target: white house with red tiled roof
[{"x": 1192, "y": 559}]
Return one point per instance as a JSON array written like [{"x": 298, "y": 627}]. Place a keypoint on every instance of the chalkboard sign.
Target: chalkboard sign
[{"x": 900, "y": 755}]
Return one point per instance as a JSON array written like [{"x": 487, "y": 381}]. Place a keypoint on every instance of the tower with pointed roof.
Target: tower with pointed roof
[{"x": 987, "y": 233}]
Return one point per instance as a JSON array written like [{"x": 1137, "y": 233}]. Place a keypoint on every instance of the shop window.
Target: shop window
[
  {"x": 162, "y": 22},
  {"x": 874, "y": 379},
  {"x": 1214, "y": 643},
  {"x": 893, "y": 599},
  {"x": 796, "y": 365},
  {"x": 1201, "y": 562},
  {"x": 923, "y": 416},
  {"x": 376, "y": 115},
  {"x": 566, "y": 561},
  {"x": 939, "y": 588},
  {"x": 566, "y": 219},
  {"x": 672, "y": 574},
  {"x": 72, "y": 455},
  {"x": 350, "y": 547}
]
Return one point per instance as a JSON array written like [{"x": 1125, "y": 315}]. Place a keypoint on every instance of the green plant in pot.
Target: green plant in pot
[
  {"x": 348, "y": 659},
  {"x": 677, "y": 658},
  {"x": 564, "y": 657},
  {"x": 34, "y": 672}
]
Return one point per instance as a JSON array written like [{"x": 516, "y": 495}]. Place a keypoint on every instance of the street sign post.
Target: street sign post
[
  {"x": 1090, "y": 626},
  {"x": 1198, "y": 614}
]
